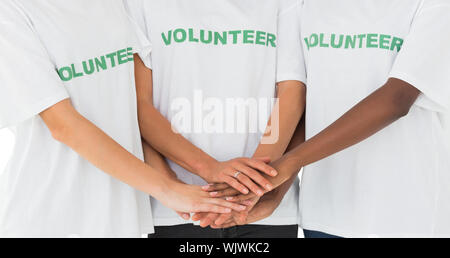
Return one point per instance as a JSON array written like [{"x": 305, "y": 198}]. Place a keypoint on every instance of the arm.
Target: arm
[
  {"x": 157, "y": 161},
  {"x": 382, "y": 108},
  {"x": 290, "y": 108},
  {"x": 287, "y": 113},
  {"x": 278, "y": 194},
  {"x": 157, "y": 131},
  {"x": 70, "y": 128}
]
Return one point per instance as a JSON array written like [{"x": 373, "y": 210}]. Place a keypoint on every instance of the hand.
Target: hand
[
  {"x": 183, "y": 215},
  {"x": 208, "y": 219},
  {"x": 262, "y": 210},
  {"x": 242, "y": 174},
  {"x": 192, "y": 199},
  {"x": 227, "y": 192}
]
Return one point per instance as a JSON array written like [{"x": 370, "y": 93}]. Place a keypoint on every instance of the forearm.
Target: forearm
[
  {"x": 285, "y": 117},
  {"x": 72, "y": 129},
  {"x": 290, "y": 110},
  {"x": 298, "y": 139},
  {"x": 158, "y": 131},
  {"x": 382, "y": 108},
  {"x": 157, "y": 161}
]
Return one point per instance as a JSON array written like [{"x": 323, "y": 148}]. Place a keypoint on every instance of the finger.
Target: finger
[
  {"x": 226, "y": 204},
  {"x": 222, "y": 219},
  {"x": 256, "y": 177},
  {"x": 199, "y": 216},
  {"x": 225, "y": 193},
  {"x": 250, "y": 184},
  {"x": 236, "y": 185},
  {"x": 210, "y": 207},
  {"x": 266, "y": 160},
  {"x": 215, "y": 187},
  {"x": 240, "y": 198},
  {"x": 248, "y": 203},
  {"x": 185, "y": 216},
  {"x": 261, "y": 166},
  {"x": 208, "y": 220},
  {"x": 241, "y": 218}
]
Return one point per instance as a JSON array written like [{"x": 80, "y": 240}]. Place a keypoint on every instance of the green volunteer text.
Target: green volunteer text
[{"x": 219, "y": 38}]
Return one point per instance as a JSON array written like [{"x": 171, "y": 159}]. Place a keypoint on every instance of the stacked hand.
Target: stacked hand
[
  {"x": 243, "y": 175},
  {"x": 188, "y": 198},
  {"x": 258, "y": 206},
  {"x": 257, "y": 209},
  {"x": 233, "y": 178},
  {"x": 231, "y": 181}
]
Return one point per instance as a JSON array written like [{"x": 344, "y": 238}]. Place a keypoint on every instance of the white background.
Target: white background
[{"x": 6, "y": 145}]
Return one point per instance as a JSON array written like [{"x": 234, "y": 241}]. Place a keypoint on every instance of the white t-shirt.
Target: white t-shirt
[
  {"x": 207, "y": 54},
  {"x": 397, "y": 183},
  {"x": 52, "y": 50}
]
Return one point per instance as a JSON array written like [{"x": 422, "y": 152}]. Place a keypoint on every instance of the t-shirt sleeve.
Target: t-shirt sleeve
[
  {"x": 29, "y": 82},
  {"x": 290, "y": 60},
  {"x": 424, "y": 60},
  {"x": 136, "y": 13}
]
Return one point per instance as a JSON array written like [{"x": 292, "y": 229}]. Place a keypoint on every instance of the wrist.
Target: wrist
[
  {"x": 288, "y": 166},
  {"x": 206, "y": 168},
  {"x": 271, "y": 201},
  {"x": 277, "y": 196},
  {"x": 282, "y": 176},
  {"x": 164, "y": 184}
]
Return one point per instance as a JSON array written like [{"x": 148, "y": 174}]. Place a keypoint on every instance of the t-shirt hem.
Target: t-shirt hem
[
  {"x": 147, "y": 230},
  {"x": 284, "y": 221},
  {"x": 291, "y": 77},
  {"x": 34, "y": 109}
]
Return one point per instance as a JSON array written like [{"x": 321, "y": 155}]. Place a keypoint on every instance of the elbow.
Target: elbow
[
  {"x": 401, "y": 106},
  {"x": 402, "y": 96},
  {"x": 61, "y": 133},
  {"x": 63, "y": 128},
  {"x": 403, "y": 111}
]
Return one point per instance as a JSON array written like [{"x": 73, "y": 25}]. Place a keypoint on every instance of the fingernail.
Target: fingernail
[
  {"x": 227, "y": 210},
  {"x": 186, "y": 217},
  {"x": 260, "y": 193},
  {"x": 229, "y": 198},
  {"x": 246, "y": 191},
  {"x": 213, "y": 194},
  {"x": 206, "y": 187},
  {"x": 274, "y": 172},
  {"x": 248, "y": 203},
  {"x": 269, "y": 187},
  {"x": 242, "y": 208}
]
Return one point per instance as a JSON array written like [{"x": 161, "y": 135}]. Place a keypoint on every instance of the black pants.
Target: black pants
[
  {"x": 317, "y": 234},
  {"x": 248, "y": 231}
]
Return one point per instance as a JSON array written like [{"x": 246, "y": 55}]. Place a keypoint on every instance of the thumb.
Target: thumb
[{"x": 185, "y": 216}]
